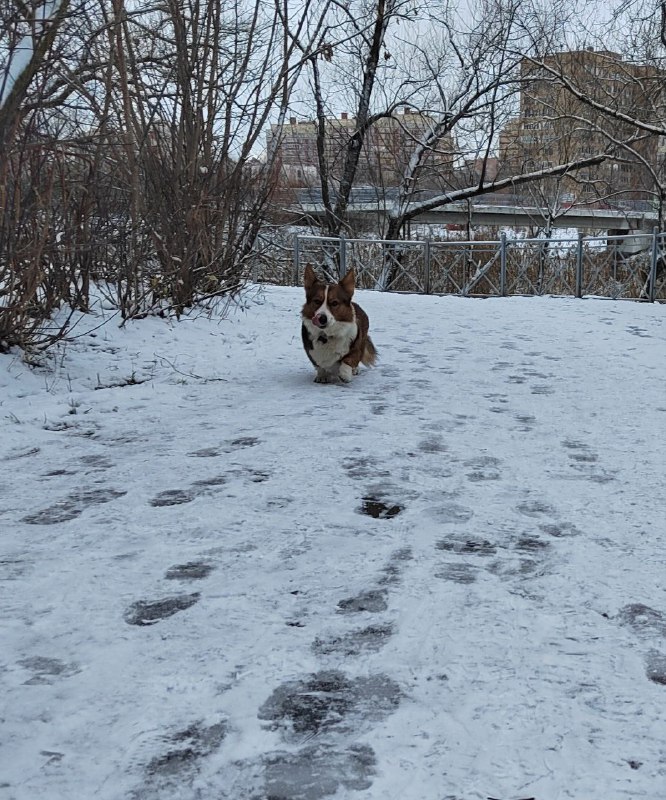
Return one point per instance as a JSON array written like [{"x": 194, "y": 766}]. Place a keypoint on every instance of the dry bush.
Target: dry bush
[{"x": 39, "y": 272}]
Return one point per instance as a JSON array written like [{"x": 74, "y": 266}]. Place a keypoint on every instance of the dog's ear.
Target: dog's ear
[
  {"x": 349, "y": 282},
  {"x": 309, "y": 277}
]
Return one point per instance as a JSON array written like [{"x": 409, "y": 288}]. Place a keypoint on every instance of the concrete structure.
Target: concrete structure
[{"x": 367, "y": 203}]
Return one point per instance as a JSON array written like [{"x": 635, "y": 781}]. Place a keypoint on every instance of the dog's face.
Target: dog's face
[{"x": 327, "y": 303}]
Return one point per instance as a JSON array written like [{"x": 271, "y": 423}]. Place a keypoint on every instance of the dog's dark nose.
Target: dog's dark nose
[{"x": 323, "y": 319}]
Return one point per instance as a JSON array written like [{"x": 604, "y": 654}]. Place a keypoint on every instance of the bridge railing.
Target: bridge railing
[{"x": 619, "y": 267}]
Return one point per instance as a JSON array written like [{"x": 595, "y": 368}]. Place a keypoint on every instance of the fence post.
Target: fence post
[
  {"x": 297, "y": 261},
  {"x": 579, "y": 265},
  {"x": 426, "y": 255},
  {"x": 342, "y": 268},
  {"x": 652, "y": 280},
  {"x": 503, "y": 264}
]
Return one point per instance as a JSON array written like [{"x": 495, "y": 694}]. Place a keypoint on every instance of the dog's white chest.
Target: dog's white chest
[{"x": 328, "y": 347}]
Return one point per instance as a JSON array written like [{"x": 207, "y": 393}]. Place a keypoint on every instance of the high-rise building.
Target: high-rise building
[{"x": 554, "y": 126}]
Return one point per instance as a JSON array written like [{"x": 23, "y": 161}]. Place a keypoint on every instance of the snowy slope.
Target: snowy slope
[{"x": 197, "y": 601}]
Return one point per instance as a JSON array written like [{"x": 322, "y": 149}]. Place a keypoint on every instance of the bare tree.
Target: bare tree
[
  {"x": 360, "y": 57},
  {"x": 197, "y": 83},
  {"x": 616, "y": 97},
  {"x": 132, "y": 138},
  {"x": 39, "y": 194},
  {"x": 31, "y": 29},
  {"x": 462, "y": 77}
]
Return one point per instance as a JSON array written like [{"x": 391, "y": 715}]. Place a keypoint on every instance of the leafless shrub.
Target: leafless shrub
[{"x": 127, "y": 150}]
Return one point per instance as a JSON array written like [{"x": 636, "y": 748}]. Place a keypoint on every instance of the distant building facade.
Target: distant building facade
[
  {"x": 554, "y": 126},
  {"x": 389, "y": 143}
]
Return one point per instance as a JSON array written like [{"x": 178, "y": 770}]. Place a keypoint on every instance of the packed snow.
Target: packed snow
[{"x": 444, "y": 581}]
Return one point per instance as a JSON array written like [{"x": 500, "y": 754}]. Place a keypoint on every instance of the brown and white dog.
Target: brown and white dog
[{"x": 334, "y": 329}]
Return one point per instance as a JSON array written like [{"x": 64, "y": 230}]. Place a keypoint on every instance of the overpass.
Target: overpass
[{"x": 491, "y": 209}]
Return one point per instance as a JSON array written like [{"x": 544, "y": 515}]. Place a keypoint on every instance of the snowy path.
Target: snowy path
[{"x": 444, "y": 582}]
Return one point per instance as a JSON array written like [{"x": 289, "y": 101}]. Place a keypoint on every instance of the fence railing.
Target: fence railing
[{"x": 629, "y": 266}]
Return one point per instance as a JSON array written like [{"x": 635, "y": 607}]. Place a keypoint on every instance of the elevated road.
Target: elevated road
[{"x": 492, "y": 210}]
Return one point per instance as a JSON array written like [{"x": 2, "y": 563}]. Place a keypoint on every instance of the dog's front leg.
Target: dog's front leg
[{"x": 349, "y": 364}]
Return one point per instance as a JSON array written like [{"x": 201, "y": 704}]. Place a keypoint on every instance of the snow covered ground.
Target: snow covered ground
[{"x": 222, "y": 581}]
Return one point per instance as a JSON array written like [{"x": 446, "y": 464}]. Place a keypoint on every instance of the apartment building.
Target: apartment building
[
  {"x": 388, "y": 146},
  {"x": 554, "y": 126}
]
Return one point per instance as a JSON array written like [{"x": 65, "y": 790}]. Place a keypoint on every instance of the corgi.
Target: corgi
[{"x": 334, "y": 329}]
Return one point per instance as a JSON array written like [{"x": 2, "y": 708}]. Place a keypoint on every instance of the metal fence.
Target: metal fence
[{"x": 626, "y": 267}]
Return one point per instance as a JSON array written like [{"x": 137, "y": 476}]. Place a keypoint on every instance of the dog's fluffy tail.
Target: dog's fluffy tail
[{"x": 369, "y": 354}]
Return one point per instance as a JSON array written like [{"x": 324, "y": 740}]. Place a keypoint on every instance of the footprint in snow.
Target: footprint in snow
[
  {"x": 318, "y": 771},
  {"x": 371, "y": 600},
  {"x": 172, "y": 497},
  {"x": 468, "y": 545},
  {"x": 329, "y": 701},
  {"x": 45, "y": 670},
  {"x": 145, "y": 612},
  {"x": 191, "y": 571},
  {"x": 458, "y": 573},
  {"x": 73, "y": 506},
  {"x": 380, "y": 509},
  {"x": 535, "y": 508},
  {"x": 393, "y": 570},
  {"x": 655, "y": 667},
  {"x": 372, "y": 638},
  {"x": 643, "y": 619}
]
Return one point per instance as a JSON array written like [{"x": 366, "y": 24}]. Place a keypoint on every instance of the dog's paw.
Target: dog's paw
[
  {"x": 346, "y": 373},
  {"x": 322, "y": 377}
]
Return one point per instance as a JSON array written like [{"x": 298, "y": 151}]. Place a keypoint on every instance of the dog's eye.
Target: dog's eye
[{"x": 334, "y": 303}]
